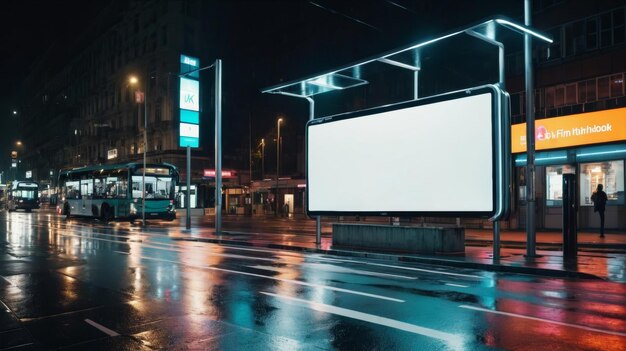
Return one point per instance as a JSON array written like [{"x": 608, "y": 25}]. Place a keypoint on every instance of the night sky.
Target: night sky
[{"x": 262, "y": 43}]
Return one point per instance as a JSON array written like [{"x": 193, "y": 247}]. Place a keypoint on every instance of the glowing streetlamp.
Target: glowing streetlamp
[
  {"x": 280, "y": 120},
  {"x": 141, "y": 97}
]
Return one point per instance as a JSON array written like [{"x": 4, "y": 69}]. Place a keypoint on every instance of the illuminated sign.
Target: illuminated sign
[
  {"x": 417, "y": 149},
  {"x": 29, "y": 174},
  {"x": 189, "y": 102},
  {"x": 189, "y": 94},
  {"x": 14, "y": 154},
  {"x": 111, "y": 154},
  {"x": 191, "y": 61},
  {"x": 210, "y": 173},
  {"x": 580, "y": 129},
  {"x": 13, "y": 164},
  {"x": 189, "y": 130}
]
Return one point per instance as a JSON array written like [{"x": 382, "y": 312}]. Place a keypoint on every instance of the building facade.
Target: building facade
[
  {"x": 579, "y": 108},
  {"x": 83, "y": 111}
]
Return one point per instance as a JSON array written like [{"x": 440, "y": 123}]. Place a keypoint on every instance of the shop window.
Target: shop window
[
  {"x": 610, "y": 174},
  {"x": 554, "y": 184}
]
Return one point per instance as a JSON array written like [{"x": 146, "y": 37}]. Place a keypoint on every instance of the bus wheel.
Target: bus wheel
[
  {"x": 28, "y": 210},
  {"x": 105, "y": 213},
  {"x": 132, "y": 221},
  {"x": 66, "y": 211}
]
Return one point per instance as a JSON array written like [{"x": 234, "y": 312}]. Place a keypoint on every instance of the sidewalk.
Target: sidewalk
[{"x": 597, "y": 258}]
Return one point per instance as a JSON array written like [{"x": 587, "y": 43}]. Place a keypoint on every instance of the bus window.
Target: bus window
[
  {"x": 72, "y": 191},
  {"x": 98, "y": 188}
]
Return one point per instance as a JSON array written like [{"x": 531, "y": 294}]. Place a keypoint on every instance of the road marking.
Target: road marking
[
  {"x": 543, "y": 320},
  {"x": 6, "y": 280},
  {"x": 101, "y": 328},
  {"x": 452, "y": 339},
  {"x": 341, "y": 270},
  {"x": 457, "y": 285},
  {"x": 407, "y": 268},
  {"x": 297, "y": 282},
  {"x": 5, "y": 307}
]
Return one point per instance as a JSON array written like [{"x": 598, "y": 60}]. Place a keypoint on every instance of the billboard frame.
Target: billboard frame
[{"x": 499, "y": 111}]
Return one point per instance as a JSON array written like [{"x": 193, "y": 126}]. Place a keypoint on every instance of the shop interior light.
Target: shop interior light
[{"x": 601, "y": 153}]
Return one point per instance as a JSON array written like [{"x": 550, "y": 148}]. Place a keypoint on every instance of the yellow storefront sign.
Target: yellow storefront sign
[{"x": 580, "y": 129}]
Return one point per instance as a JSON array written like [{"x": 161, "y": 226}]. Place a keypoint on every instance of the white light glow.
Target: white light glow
[{"x": 407, "y": 160}]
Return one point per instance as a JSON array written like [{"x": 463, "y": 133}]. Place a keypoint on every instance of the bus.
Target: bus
[
  {"x": 115, "y": 192},
  {"x": 22, "y": 195}
]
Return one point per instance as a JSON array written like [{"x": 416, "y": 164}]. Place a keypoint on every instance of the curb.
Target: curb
[{"x": 412, "y": 259}]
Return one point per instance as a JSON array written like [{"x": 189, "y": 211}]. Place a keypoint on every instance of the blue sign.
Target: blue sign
[
  {"x": 189, "y": 141},
  {"x": 187, "y": 116}
]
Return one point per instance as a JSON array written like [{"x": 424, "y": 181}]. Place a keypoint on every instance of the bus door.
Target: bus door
[{"x": 86, "y": 192}]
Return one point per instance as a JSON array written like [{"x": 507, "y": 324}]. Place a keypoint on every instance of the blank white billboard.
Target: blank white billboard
[{"x": 425, "y": 158}]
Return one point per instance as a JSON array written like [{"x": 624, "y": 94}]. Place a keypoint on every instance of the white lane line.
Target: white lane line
[
  {"x": 457, "y": 285},
  {"x": 339, "y": 270},
  {"x": 408, "y": 268},
  {"x": 543, "y": 320},
  {"x": 6, "y": 280},
  {"x": 178, "y": 249},
  {"x": 453, "y": 339},
  {"x": 297, "y": 282},
  {"x": 5, "y": 307},
  {"x": 101, "y": 328}
]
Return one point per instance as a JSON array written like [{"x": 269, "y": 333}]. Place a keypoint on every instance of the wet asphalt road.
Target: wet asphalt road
[{"x": 86, "y": 285}]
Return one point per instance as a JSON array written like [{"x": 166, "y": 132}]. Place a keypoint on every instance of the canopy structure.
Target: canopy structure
[
  {"x": 493, "y": 31},
  {"x": 489, "y": 33}
]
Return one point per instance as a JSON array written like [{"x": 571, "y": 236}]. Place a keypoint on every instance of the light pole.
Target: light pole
[
  {"x": 263, "y": 158},
  {"x": 280, "y": 120},
  {"x": 139, "y": 98}
]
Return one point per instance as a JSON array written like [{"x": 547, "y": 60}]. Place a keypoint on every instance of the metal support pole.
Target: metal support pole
[
  {"x": 530, "y": 137},
  {"x": 277, "y": 164},
  {"x": 145, "y": 149},
  {"x": 416, "y": 75},
  {"x": 318, "y": 220},
  {"x": 218, "y": 146},
  {"x": 188, "y": 197}
]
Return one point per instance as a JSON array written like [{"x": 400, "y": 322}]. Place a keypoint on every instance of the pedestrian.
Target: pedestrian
[
  {"x": 599, "y": 199},
  {"x": 286, "y": 209}
]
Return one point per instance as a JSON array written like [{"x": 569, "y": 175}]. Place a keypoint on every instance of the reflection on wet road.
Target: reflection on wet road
[{"x": 82, "y": 284}]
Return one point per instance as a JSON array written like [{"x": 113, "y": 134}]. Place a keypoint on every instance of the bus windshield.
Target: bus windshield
[
  {"x": 157, "y": 187},
  {"x": 24, "y": 193}
]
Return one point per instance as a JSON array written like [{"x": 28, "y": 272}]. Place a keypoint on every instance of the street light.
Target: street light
[
  {"x": 139, "y": 97},
  {"x": 263, "y": 158},
  {"x": 280, "y": 120}
]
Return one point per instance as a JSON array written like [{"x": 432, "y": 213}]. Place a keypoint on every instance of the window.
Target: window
[
  {"x": 617, "y": 85},
  {"x": 590, "y": 90},
  {"x": 553, "y": 51},
  {"x": 605, "y": 30},
  {"x": 570, "y": 94},
  {"x": 71, "y": 190},
  {"x": 592, "y": 34},
  {"x": 554, "y": 184},
  {"x": 86, "y": 187},
  {"x": 610, "y": 174},
  {"x": 618, "y": 26},
  {"x": 603, "y": 88},
  {"x": 582, "y": 90}
]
